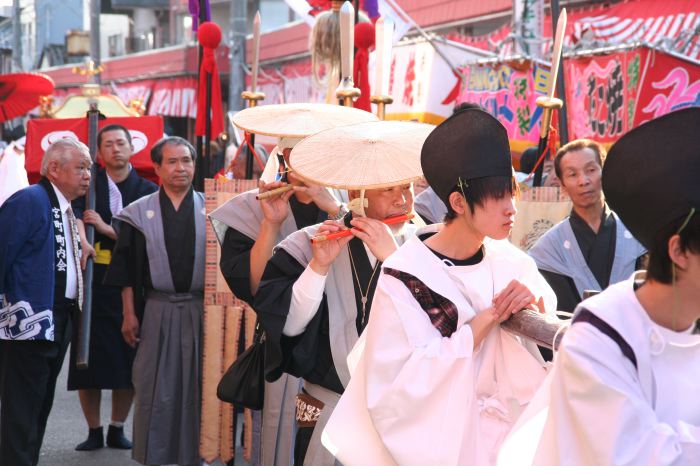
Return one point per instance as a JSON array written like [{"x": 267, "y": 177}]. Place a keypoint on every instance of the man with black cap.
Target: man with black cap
[
  {"x": 427, "y": 204},
  {"x": 438, "y": 381},
  {"x": 624, "y": 387}
]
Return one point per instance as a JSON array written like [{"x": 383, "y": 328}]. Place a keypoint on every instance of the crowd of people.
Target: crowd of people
[{"x": 381, "y": 312}]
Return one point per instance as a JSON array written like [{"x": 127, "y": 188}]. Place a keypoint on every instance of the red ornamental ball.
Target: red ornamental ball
[
  {"x": 364, "y": 35},
  {"x": 209, "y": 35}
]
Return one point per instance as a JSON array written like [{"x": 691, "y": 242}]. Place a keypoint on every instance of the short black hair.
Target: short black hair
[
  {"x": 113, "y": 127},
  {"x": 576, "y": 145},
  {"x": 660, "y": 266},
  {"x": 528, "y": 159},
  {"x": 476, "y": 191},
  {"x": 157, "y": 149}
]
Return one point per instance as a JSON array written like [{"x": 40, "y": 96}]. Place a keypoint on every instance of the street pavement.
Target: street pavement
[{"x": 67, "y": 428}]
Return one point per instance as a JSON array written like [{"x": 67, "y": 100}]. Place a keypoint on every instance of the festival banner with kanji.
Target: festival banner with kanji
[
  {"x": 509, "y": 94},
  {"x": 669, "y": 84},
  {"x": 41, "y": 133},
  {"x": 608, "y": 95}
]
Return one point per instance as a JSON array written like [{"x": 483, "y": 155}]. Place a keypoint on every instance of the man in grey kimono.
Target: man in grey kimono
[
  {"x": 159, "y": 263},
  {"x": 248, "y": 229},
  {"x": 590, "y": 249}
]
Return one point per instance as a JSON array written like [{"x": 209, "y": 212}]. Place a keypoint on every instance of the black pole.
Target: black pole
[
  {"x": 199, "y": 165},
  {"x": 83, "y": 353},
  {"x": 250, "y": 157},
  {"x": 541, "y": 147},
  {"x": 561, "y": 88}
]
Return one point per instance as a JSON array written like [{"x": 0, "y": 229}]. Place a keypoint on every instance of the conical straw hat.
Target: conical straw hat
[
  {"x": 297, "y": 120},
  {"x": 363, "y": 156}
]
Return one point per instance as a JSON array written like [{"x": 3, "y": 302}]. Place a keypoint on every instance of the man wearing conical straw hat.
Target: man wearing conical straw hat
[
  {"x": 248, "y": 228},
  {"x": 438, "y": 380},
  {"x": 316, "y": 292}
]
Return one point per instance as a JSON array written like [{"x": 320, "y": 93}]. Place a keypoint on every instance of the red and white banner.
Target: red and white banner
[
  {"x": 136, "y": 90},
  {"x": 291, "y": 83},
  {"x": 656, "y": 22},
  {"x": 607, "y": 95},
  {"x": 41, "y": 133},
  {"x": 176, "y": 97}
]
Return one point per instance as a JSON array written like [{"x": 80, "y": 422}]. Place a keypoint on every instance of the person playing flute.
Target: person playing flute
[
  {"x": 314, "y": 298},
  {"x": 248, "y": 229}
]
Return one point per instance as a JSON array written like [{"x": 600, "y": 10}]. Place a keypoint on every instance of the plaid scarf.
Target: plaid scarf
[{"x": 441, "y": 311}]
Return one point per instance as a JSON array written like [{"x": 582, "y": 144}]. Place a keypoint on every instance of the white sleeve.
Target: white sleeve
[
  {"x": 419, "y": 385},
  {"x": 307, "y": 294},
  {"x": 598, "y": 414}
]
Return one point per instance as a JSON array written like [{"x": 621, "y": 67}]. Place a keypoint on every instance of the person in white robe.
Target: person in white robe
[
  {"x": 623, "y": 389},
  {"x": 437, "y": 380}
]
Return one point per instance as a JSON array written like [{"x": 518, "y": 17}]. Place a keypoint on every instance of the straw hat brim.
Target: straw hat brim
[
  {"x": 297, "y": 120},
  {"x": 363, "y": 156}
]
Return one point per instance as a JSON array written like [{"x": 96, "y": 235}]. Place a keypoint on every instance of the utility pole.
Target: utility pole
[
  {"x": 95, "y": 8},
  {"x": 16, "y": 36},
  {"x": 239, "y": 29}
]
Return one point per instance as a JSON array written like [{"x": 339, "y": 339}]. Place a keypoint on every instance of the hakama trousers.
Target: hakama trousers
[{"x": 167, "y": 377}]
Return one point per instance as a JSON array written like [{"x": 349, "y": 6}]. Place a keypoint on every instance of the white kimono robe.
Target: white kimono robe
[
  {"x": 417, "y": 398},
  {"x": 595, "y": 408}
]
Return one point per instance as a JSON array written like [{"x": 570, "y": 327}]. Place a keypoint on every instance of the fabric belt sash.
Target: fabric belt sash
[
  {"x": 102, "y": 256},
  {"x": 312, "y": 402},
  {"x": 165, "y": 297}
]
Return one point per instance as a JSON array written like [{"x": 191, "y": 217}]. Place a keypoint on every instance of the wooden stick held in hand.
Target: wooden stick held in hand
[
  {"x": 274, "y": 192},
  {"x": 348, "y": 232}
]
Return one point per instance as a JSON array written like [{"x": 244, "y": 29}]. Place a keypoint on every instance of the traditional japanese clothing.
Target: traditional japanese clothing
[
  {"x": 421, "y": 394},
  {"x": 41, "y": 281},
  {"x": 237, "y": 226},
  {"x": 160, "y": 254},
  {"x": 623, "y": 389},
  {"x": 111, "y": 357},
  {"x": 313, "y": 321},
  {"x": 406, "y": 383},
  {"x": 319, "y": 353},
  {"x": 571, "y": 249}
]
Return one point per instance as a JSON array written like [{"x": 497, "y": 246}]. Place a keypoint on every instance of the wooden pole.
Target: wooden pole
[
  {"x": 83, "y": 353},
  {"x": 534, "y": 327}
]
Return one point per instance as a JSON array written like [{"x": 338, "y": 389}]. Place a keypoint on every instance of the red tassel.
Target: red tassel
[
  {"x": 209, "y": 36},
  {"x": 364, "y": 39}
]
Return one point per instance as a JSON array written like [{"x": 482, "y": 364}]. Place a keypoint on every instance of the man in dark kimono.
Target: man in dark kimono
[
  {"x": 248, "y": 229},
  {"x": 117, "y": 185},
  {"x": 41, "y": 281},
  {"x": 590, "y": 249},
  {"x": 159, "y": 263},
  {"x": 314, "y": 298}
]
